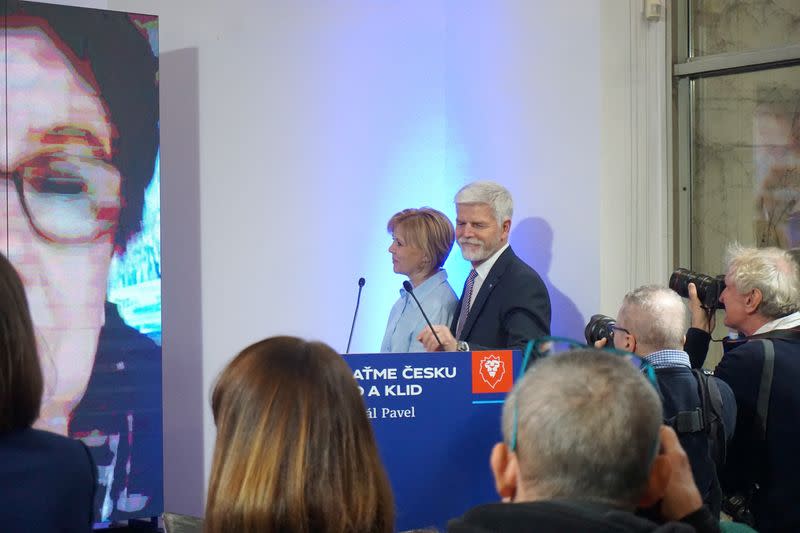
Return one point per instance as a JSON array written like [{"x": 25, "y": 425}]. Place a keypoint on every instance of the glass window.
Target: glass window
[
  {"x": 745, "y": 163},
  {"x": 725, "y": 26},
  {"x": 737, "y": 130}
]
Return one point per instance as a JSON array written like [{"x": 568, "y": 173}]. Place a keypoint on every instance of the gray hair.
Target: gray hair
[
  {"x": 491, "y": 193},
  {"x": 772, "y": 271},
  {"x": 657, "y": 317},
  {"x": 588, "y": 425}
]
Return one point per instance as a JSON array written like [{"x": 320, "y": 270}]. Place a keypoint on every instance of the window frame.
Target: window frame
[{"x": 684, "y": 70}]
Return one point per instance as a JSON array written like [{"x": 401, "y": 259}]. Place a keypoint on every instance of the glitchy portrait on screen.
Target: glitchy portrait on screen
[{"x": 81, "y": 209}]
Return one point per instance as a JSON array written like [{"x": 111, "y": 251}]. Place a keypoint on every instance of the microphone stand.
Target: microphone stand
[{"x": 361, "y": 282}]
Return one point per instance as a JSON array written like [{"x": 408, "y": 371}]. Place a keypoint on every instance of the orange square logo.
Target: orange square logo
[{"x": 492, "y": 371}]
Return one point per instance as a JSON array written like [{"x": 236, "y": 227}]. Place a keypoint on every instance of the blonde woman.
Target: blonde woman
[{"x": 421, "y": 241}]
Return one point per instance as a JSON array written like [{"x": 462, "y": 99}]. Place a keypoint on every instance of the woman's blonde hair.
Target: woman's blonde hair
[
  {"x": 295, "y": 450},
  {"x": 427, "y": 229}
]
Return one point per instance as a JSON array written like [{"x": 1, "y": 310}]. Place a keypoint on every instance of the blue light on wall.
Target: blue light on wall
[{"x": 426, "y": 169}]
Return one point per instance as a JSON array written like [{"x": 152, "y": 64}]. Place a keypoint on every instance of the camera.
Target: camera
[
  {"x": 708, "y": 288},
  {"x": 600, "y": 327},
  {"x": 738, "y": 508}
]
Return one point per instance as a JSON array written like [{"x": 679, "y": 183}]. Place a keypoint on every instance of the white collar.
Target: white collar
[
  {"x": 784, "y": 322},
  {"x": 484, "y": 268}
]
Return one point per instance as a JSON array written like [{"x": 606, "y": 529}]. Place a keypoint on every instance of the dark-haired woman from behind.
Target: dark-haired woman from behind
[
  {"x": 295, "y": 450},
  {"x": 47, "y": 481}
]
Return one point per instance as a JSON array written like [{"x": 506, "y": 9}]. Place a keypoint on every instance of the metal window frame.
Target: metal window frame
[{"x": 685, "y": 70}]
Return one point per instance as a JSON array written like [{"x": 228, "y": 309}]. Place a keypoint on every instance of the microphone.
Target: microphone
[
  {"x": 410, "y": 290},
  {"x": 361, "y": 282}
]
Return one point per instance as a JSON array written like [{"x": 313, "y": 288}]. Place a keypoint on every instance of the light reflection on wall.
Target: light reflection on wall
[
  {"x": 426, "y": 169},
  {"x": 469, "y": 94}
]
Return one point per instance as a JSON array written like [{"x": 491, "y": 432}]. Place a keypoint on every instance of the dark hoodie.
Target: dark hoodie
[{"x": 563, "y": 516}]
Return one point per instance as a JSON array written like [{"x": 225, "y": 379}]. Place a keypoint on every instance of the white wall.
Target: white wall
[
  {"x": 292, "y": 131},
  {"x": 636, "y": 214}
]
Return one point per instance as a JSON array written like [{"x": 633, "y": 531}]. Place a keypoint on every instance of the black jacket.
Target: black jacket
[
  {"x": 512, "y": 307},
  {"x": 562, "y": 516},
  {"x": 697, "y": 341},
  {"x": 47, "y": 483},
  {"x": 679, "y": 391},
  {"x": 774, "y": 464}
]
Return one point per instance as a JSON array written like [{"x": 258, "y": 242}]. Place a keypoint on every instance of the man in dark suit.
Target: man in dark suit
[
  {"x": 505, "y": 302},
  {"x": 762, "y": 302}
]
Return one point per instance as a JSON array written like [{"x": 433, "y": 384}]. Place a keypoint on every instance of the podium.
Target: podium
[{"x": 436, "y": 417}]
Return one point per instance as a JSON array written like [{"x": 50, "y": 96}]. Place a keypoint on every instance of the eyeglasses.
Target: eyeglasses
[
  {"x": 546, "y": 346},
  {"x": 69, "y": 199},
  {"x": 615, "y": 327}
]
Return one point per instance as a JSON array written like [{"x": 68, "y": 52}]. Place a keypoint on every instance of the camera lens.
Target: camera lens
[
  {"x": 600, "y": 327},
  {"x": 708, "y": 288}
]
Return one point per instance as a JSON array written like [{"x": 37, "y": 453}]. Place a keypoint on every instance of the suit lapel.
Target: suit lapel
[
  {"x": 497, "y": 271},
  {"x": 454, "y": 323}
]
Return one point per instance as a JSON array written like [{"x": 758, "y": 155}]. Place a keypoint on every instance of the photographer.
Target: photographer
[
  {"x": 652, "y": 323},
  {"x": 762, "y": 288}
]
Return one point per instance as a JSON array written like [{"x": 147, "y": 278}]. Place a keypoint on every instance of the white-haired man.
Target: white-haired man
[
  {"x": 504, "y": 302},
  {"x": 652, "y": 323},
  {"x": 583, "y": 447},
  {"x": 761, "y": 297}
]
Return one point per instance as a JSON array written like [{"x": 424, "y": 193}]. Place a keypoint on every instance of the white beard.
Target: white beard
[{"x": 475, "y": 254}]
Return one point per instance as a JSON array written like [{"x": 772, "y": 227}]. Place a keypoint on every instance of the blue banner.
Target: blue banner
[{"x": 436, "y": 417}]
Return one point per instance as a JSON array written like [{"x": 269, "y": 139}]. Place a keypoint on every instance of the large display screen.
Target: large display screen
[{"x": 80, "y": 209}]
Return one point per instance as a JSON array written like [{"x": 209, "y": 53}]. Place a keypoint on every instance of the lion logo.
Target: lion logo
[{"x": 492, "y": 370}]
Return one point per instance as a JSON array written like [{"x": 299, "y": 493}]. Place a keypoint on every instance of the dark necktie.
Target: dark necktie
[{"x": 466, "y": 297}]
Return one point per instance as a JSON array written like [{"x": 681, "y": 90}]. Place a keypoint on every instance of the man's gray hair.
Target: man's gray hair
[
  {"x": 772, "y": 271},
  {"x": 488, "y": 192},
  {"x": 588, "y": 425},
  {"x": 656, "y": 316}
]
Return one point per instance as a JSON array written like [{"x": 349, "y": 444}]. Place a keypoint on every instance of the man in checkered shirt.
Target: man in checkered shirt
[{"x": 652, "y": 323}]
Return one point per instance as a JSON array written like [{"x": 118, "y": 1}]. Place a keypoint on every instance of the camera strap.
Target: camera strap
[
  {"x": 767, "y": 371},
  {"x": 764, "y": 390}
]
